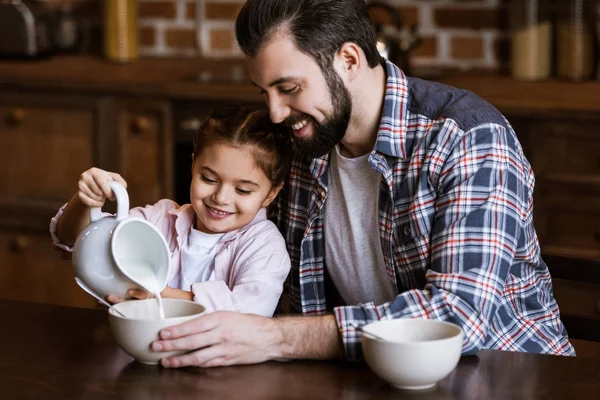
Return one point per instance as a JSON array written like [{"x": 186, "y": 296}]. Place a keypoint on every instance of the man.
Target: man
[{"x": 411, "y": 199}]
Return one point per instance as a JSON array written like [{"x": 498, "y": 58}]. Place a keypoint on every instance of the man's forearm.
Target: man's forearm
[{"x": 309, "y": 338}]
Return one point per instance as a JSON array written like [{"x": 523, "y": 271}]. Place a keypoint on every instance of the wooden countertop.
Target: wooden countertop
[
  {"x": 157, "y": 77},
  {"x": 526, "y": 98},
  {"x": 53, "y": 352},
  {"x": 179, "y": 78}
]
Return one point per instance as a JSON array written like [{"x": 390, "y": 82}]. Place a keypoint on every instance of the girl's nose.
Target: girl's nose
[{"x": 221, "y": 195}]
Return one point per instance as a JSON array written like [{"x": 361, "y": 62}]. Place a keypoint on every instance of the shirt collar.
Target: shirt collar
[
  {"x": 392, "y": 134},
  {"x": 185, "y": 216}
]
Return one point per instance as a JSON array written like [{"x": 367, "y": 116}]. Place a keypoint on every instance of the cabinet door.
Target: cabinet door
[
  {"x": 565, "y": 156},
  {"x": 31, "y": 271},
  {"x": 145, "y": 146},
  {"x": 46, "y": 141}
]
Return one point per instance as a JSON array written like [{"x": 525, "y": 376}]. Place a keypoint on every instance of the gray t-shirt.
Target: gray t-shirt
[{"x": 353, "y": 253}]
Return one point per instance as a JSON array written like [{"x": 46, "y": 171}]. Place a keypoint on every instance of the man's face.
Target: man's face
[{"x": 316, "y": 108}]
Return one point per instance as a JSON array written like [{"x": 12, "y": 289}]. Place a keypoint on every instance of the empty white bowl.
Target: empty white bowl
[
  {"x": 416, "y": 353},
  {"x": 136, "y": 333}
]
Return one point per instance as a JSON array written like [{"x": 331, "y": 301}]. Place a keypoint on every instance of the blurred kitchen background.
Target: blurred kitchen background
[{"x": 124, "y": 85}]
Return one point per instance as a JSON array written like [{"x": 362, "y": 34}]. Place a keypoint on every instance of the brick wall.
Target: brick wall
[{"x": 457, "y": 34}]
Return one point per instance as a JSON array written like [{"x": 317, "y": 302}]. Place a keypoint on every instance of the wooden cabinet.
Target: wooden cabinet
[
  {"x": 145, "y": 150},
  {"x": 46, "y": 141},
  {"x": 31, "y": 271},
  {"x": 564, "y": 152}
]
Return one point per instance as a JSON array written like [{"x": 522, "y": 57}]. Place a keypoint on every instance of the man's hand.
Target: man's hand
[
  {"x": 227, "y": 338},
  {"x": 221, "y": 338}
]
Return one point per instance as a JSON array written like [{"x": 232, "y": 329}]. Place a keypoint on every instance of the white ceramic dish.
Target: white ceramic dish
[
  {"x": 136, "y": 333},
  {"x": 416, "y": 353}
]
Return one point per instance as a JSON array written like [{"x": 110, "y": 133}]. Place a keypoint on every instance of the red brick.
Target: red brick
[
  {"x": 181, "y": 38},
  {"x": 427, "y": 48},
  {"x": 161, "y": 9},
  {"x": 408, "y": 15},
  {"x": 147, "y": 36},
  {"x": 221, "y": 39},
  {"x": 190, "y": 11},
  {"x": 467, "y": 18},
  {"x": 466, "y": 47},
  {"x": 222, "y": 10}
]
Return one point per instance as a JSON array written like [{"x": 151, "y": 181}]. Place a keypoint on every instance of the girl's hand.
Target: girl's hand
[
  {"x": 133, "y": 294},
  {"x": 93, "y": 186},
  {"x": 172, "y": 293},
  {"x": 140, "y": 294}
]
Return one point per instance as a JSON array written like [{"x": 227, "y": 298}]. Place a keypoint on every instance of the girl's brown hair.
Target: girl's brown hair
[{"x": 241, "y": 125}]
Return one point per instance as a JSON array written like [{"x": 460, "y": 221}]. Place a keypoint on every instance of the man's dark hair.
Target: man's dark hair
[{"x": 319, "y": 28}]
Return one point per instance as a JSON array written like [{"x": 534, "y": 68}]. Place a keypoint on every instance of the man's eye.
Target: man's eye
[
  {"x": 263, "y": 92},
  {"x": 243, "y": 192},
  {"x": 207, "y": 179},
  {"x": 290, "y": 90}
]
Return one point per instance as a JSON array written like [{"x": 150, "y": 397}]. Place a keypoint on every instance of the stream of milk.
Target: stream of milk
[{"x": 143, "y": 274}]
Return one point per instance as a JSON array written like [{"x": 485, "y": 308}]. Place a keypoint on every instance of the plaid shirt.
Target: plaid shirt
[{"x": 455, "y": 221}]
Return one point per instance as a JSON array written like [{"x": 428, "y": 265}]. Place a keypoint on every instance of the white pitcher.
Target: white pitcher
[{"x": 115, "y": 253}]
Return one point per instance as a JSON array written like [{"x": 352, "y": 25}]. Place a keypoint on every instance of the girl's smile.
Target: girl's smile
[{"x": 227, "y": 189}]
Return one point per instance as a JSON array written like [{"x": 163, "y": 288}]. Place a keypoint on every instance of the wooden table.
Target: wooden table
[{"x": 54, "y": 352}]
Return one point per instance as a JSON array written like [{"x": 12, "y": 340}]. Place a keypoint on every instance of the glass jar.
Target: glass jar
[
  {"x": 120, "y": 30},
  {"x": 575, "y": 40},
  {"x": 531, "y": 39}
]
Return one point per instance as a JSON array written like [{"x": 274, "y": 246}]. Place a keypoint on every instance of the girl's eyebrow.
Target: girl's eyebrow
[
  {"x": 247, "y": 182},
  {"x": 244, "y": 181}
]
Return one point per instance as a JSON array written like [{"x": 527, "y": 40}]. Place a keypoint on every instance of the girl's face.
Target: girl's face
[{"x": 227, "y": 189}]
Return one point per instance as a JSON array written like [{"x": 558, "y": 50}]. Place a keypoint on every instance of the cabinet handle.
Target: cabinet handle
[
  {"x": 191, "y": 124},
  {"x": 141, "y": 124},
  {"x": 16, "y": 116},
  {"x": 19, "y": 244}
]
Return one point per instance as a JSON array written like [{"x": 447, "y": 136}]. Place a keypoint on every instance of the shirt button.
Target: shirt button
[{"x": 407, "y": 230}]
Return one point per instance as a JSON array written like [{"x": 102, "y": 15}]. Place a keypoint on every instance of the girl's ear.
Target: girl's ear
[{"x": 274, "y": 192}]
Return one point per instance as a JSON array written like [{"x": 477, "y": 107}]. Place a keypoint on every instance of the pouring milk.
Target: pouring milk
[
  {"x": 116, "y": 253},
  {"x": 144, "y": 275}
]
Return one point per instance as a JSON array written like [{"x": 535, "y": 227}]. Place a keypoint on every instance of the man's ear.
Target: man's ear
[
  {"x": 274, "y": 192},
  {"x": 348, "y": 60}
]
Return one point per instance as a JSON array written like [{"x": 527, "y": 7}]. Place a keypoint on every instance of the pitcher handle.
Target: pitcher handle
[{"x": 122, "y": 203}]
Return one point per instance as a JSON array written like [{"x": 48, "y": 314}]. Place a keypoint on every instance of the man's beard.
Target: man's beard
[{"x": 331, "y": 131}]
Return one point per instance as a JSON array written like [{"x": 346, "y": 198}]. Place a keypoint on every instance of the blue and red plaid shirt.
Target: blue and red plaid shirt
[{"x": 455, "y": 221}]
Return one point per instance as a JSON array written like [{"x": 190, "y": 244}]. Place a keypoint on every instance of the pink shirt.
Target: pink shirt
[{"x": 250, "y": 264}]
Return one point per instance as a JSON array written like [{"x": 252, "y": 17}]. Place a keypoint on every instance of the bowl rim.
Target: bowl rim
[
  {"x": 112, "y": 313},
  {"x": 458, "y": 333}
]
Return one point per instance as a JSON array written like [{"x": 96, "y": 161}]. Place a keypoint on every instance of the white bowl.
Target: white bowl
[
  {"x": 416, "y": 353},
  {"x": 136, "y": 333}
]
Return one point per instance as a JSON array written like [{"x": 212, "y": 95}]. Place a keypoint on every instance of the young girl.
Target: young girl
[{"x": 225, "y": 253}]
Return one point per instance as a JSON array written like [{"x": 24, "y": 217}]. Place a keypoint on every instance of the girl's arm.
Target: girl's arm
[
  {"x": 74, "y": 218},
  {"x": 256, "y": 275},
  {"x": 140, "y": 294},
  {"x": 93, "y": 190}
]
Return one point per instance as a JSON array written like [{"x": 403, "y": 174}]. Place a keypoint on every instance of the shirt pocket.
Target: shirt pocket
[{"x": 412, "y": 248}]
